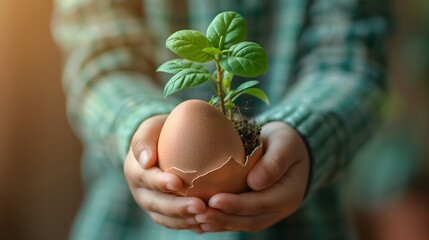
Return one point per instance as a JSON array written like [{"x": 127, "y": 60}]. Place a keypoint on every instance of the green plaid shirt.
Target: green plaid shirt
[{"x": 325, "y": 78}]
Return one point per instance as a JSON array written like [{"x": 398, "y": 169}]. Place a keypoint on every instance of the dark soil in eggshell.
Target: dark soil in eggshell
[{"x": 249, "y": 132}]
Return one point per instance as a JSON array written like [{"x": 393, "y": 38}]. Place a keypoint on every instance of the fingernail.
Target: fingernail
[
  {"x": 144, "y": 158},
  {"x": 193, "y": 210},
  {"x": 200, "y": 218},
  {"x": 214, "y": 203},
  {"x": 171, "y": 187}
]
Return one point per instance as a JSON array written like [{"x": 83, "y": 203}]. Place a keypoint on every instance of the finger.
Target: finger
[
  {"x": 281, "y": 151},
  {"x": 168, "y": 204},
  {"x": 285, "y": 195},
  {"x": 216, "y": 221},
  {"x": 145, "y": 141},
  {"x": 153, "y": 178},
  {"x": 175, "y": 222},
  {"x": 157, "y": 179}
]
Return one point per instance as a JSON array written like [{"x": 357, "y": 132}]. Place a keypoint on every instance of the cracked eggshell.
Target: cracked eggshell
[
  {"x": 202, "y": 186},
  {"x": 200, "y": 145}
]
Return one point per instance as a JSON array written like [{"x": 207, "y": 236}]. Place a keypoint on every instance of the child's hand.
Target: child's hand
[
  {"x": 151, "y": 187},
  {"x": 279, "y": 181}
]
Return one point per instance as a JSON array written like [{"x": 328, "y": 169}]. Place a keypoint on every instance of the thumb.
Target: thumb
[
  {"x": 278, "y": 141},
  {"x": 145, "y": 141},
  {"x": 145, "y": 152}
]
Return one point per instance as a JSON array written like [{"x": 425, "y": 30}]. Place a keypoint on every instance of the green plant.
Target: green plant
[{"x": 225, "y": 45}]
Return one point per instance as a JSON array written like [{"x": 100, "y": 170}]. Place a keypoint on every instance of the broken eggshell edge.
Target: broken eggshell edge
[{"x": 201, "y": 184}]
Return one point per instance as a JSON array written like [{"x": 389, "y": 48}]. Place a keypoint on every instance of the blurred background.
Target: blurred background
[
  {"x": 39, "y": 155},
  {"x": 40, "y": 190}
]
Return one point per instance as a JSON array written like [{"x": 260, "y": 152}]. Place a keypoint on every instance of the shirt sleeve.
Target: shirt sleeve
[
  {"x": 340, "y": 84},
  {"x": 108, "y": 73}
]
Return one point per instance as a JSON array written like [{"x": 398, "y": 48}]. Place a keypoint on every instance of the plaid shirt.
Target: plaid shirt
[{"x": 325, "y": 79}]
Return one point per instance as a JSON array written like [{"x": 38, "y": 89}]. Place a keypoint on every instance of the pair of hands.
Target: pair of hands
[{"x": 278, "y": 181}]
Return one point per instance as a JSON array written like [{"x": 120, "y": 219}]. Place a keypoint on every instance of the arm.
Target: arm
[
  {"x": 113, "y": 98},
  {"x": 108, "y": 74},
  {"x": 340, "y": 84}
]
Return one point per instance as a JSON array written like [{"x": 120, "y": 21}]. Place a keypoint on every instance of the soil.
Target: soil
[{"x": 249, "y": 132}]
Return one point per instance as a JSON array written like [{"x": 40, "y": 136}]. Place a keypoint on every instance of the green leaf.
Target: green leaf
[
  {"x": 255, "y": 92},
  {"x": 189, "y": 44},
  {"x": 246, "y": 85},
  {"x": 177, "y": 65},
  {"x": 229, "y": 96},
  {"x": 247, "y": 59},
  {"x": 229, "y": 105},
  {"x": 230, "y": 26},
  {"x": 241, "y": 88},
  {"x": 214, "y": 100},
  {"x": 185, "y": 79},
  {"x": 212, "y": 50}
]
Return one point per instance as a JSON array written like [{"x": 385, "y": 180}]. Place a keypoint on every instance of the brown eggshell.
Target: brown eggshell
[
  {"x": 201, "y": 146},
  {"x": 231, "y": 177}
]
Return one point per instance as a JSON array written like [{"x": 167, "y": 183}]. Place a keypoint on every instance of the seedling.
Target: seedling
[{"x": 224, "y": 45}]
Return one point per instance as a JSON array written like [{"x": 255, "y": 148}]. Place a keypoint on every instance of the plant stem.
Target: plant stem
[{"x": 219, "y": 85}]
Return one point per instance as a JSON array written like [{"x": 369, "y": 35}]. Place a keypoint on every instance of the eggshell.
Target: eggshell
[
  {"x": 231, "y": 177},
  {"x": 201, "y": 146}
]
